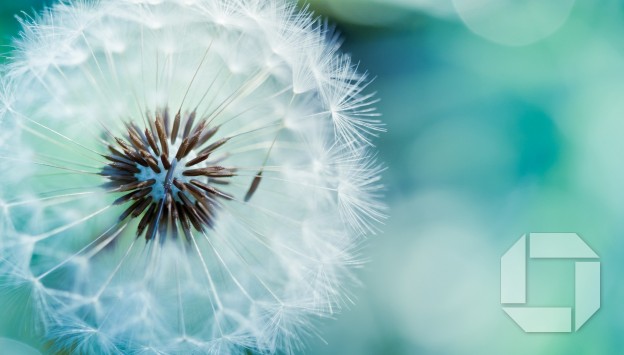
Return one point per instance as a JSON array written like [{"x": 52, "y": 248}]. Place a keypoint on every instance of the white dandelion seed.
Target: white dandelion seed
[{"x": 181, "y": 176}]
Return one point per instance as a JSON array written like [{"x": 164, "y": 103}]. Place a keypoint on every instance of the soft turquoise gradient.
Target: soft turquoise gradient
[{"x": 485, "y": 142}]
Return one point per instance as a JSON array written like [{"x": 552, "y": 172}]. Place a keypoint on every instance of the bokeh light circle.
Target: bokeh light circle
[{"x": 513, "y": 22}]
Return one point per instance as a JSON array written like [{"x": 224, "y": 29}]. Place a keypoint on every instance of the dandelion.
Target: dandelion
[{"x": 181, "y": 176}]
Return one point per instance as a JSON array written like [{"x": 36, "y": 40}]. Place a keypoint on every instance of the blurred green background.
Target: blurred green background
[{"x": 504, "y": 117}]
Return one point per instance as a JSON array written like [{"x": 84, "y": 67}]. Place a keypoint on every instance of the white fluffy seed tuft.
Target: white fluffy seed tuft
[{"x": 248, "y": 260}]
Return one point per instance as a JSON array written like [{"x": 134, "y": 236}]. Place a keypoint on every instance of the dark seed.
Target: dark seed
[
  {"x": 165, "y": 162},
  {"x": 182, "y": 150},
  {"x": 135, "y": 139},
  {"x": 209, "y": 134},
  {"x": 200, "y": 158},
  {"x": 167, "y": 120},
  {"x": 146, "y": 219},
  {"x": 176, "y": 127},
  {"x": 144, "y": 203},
  {"x": 254, "y": 186},
  {"x": 136, "y": 185},
  {"x": 152, "y": 142},
  {"x": 130, "y": 209},
  {"x": 189, "y": 124},
  {"x": 118, "y": 159},
  {"x": 212, "y": 171},
  {"x": 125, "y": 167},
  {"x": 214, "y": 146},
  {"x": 162, "y": 136}
]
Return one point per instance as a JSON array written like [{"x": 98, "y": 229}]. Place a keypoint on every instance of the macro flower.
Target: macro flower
[{"x": 181, "y": 176}]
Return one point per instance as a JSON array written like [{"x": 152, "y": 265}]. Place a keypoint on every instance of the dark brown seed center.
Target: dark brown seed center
[{"x": 169, "y": 186}]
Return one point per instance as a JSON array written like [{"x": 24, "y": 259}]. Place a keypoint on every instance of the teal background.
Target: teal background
[{"x": 485, "y": 142}]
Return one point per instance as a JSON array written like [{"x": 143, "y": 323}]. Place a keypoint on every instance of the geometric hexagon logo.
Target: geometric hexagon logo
[{"x": 586, "y": 282}]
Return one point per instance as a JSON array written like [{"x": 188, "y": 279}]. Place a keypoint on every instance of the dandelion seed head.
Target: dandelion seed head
[{"x": 182, "y": 176}]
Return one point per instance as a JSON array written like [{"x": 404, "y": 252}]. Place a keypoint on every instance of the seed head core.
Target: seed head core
[{"x": 166, "y": 174}]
